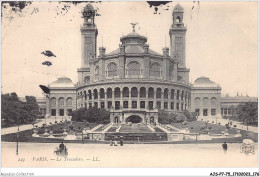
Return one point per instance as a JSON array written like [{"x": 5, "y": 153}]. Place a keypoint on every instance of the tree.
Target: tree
[
  {"x": 92, "y": 115},
  {"x": 167, "y": 118},
  {"x": 248, "y": 112},
  {"x": 190, "y": 116},
  {"x": 14, "y": 111}
]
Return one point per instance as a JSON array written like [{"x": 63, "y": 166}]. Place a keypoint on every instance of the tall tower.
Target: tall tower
[
  {"x": 177, "y": 36},
  {"x": 89, "y": 34}
]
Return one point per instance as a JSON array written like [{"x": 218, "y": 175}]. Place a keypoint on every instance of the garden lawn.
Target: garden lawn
[
  {"x": 58, "y": 128},
  {"x": 195, "y": 126}
]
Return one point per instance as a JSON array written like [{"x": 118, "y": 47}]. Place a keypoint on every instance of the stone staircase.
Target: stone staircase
[{"x": 107, "y": 127}]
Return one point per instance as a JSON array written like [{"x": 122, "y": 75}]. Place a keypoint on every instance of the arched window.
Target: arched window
[
  {"x": 125, "y": 92},
  {"x": 134, "y": 92},
  {"x": 53, "y": 102},
  {"x": 213, "y": 101},
  {"x": 87, "y": 79},
  {"x": 172, "y": 93},
  {"x": 112, "y": 70},
  {"x": 197, "y": 101},
  {"x": 142, "y": 92},
  {"x": 150, "y": 92},
  {"x": 109, "y": 93},
  {"x": 166, "y": 93},
  {"x": 158, "y": 93},
  {"x": 182, "y": 95},
  {"x": 178, "y": 19},
  {"x": 134, "y": 69},
  {"x": 117, "y": 92},
  {"x": 102, "y": 93},
  {"x": 178, "y": 94},
  {"x": 95, "y": 94},
  {"x": 61, "y": 102},
  {"x": 89, "y": 94},
  {"x": 155, "y": 70},
  {"x": 97, "y": 72},
  {"x": 205, "y": 101},
  {"x": 69, "y": 102},
  {"x": 85, "y": 94}
]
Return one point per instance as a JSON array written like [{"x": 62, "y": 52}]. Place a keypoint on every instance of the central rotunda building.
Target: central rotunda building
[{"x": 133, "y": 82}]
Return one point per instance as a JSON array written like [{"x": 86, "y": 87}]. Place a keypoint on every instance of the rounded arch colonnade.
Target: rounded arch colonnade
[{"x": 135, "y": 97}]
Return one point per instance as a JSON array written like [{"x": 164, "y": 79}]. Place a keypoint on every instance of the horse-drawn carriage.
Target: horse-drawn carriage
[
  {"x": 247, "y": 146},
  {"x": 61, "y": 151}
]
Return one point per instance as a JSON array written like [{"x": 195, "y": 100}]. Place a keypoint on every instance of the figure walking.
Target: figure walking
[{"x": 225, "y": 146}]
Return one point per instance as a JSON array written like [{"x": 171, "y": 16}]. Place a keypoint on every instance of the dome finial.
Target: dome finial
[{"x": 133, "y": 25}]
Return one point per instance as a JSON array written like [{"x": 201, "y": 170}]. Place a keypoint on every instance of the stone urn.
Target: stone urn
[
  {"x": 51, "y": 134},
  {"x": 65, "y": 133},
  {"x": 46, "y": 133},
  {"x": 35, "y": 133}
]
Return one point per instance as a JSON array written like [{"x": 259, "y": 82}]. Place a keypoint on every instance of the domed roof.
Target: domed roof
[
  {"x": 133, "y": 34},
  {"x": 178, "y": 8},
  {"x": 88, "y": 7},
  {"x": 62, "y": 82},
  {"x": 204, "y": 82}
]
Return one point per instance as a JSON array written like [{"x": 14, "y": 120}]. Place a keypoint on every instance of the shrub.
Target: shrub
[
  {"x": 234, "y": 126},
  {"x": 191, "y": 128},
  {"x": 92, "y": 115},
  {"x": 213, "y": 122},
  {"x": 210, "y": 127},
  {"x": 167, "y": 118}
]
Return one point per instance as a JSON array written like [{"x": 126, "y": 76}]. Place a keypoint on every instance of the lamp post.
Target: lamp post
[{"x": 17, "y": 137}]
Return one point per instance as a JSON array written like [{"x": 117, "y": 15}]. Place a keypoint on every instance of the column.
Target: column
[
  {"x": 129, "y": 100},
  {"x": 87, "y": 100},
  {"x": 105, "y": 104},
  {"x": 92, "y": 100},
  {"x": 146, "y": 100},
  {"x": 65, "y": 107},
  {"x": 98, "y": 99},
  {"x": 175, "y": 100},
  {"x": 162, "y": 97},
  {"x": 113, "y": 99},
  {"x": 138, "y": 99},
  {"x": 121, "y": 98},
  {"x": 154, "y": 100},
  {"x": 57, "y": 107}
]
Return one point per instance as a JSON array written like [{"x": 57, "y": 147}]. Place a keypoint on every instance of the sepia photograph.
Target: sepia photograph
[{"x": 130, "y": 84}]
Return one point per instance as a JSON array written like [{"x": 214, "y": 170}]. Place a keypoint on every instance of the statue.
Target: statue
[{"x": 133, "y": 25}]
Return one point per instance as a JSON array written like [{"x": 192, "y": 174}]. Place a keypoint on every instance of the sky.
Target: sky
[{"x": 221, "y": 41}]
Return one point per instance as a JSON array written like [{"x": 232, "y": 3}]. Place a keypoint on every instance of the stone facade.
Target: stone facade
[
  {"x": 205, "y": 97},
  {"x": 133, "y": 79},
  {"x": 229, "y": 104},
  {"x": 62, "y": 98}
]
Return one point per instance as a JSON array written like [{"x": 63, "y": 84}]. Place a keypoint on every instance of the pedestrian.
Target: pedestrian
[
  {"x": 121, "y": 142},
  {"x": 111, "y": 142},
  {"x": 225, "y": 146},
  {"x": 115, "y": 142}
]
